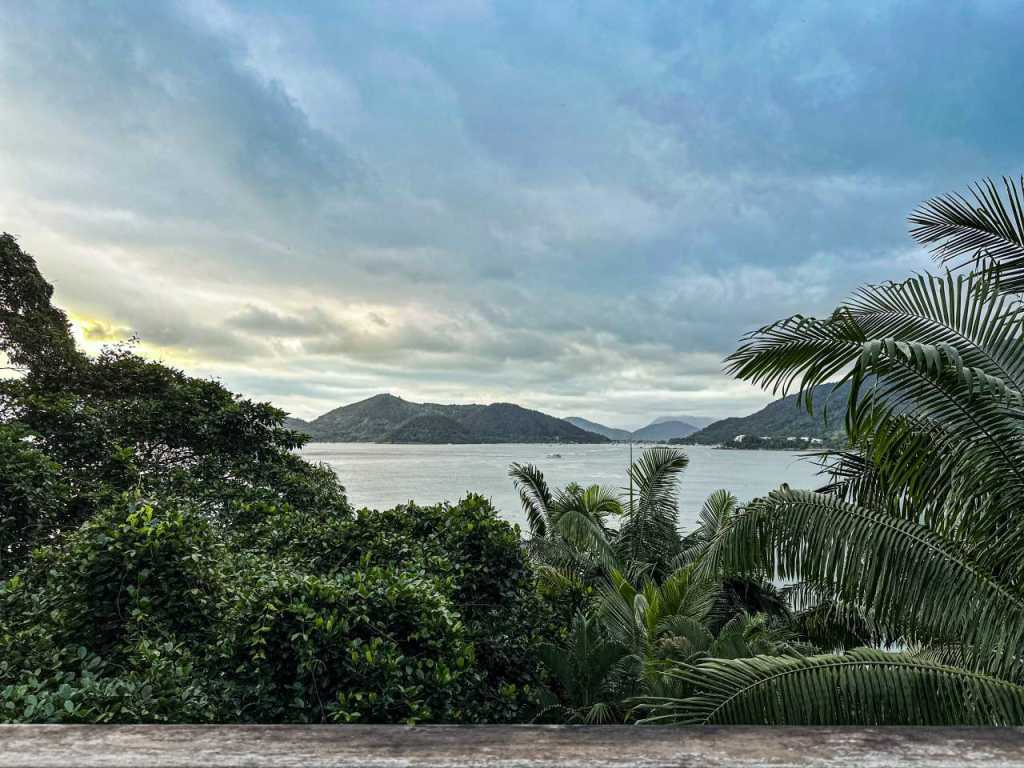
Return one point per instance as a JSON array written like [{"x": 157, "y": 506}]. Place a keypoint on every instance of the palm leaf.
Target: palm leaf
[
  {"x": 534, "y": 495},
  {"x": 714, "y": 516},
  {"x": 863, "y": 687},
  {"x": 650, "y": 531},
  {"x": 899, "y": 572},
  {"x": 985, "y": 327},
  {"x": 989, "y": 226},
  {"x": 974, "y": 440}
]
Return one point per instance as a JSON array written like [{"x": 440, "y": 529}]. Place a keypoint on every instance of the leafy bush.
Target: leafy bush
[
  {"x": 483, "y": 567},
  {"x": 370, "y": 645},
  {"x": 34, "y": 496},
  {"x": 136, "y": 568},
  {"x": 475, "y": 559},
  {"x": 151, "y": 612}
]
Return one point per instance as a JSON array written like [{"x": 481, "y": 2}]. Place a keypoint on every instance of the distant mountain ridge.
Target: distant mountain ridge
[
  {"x": 664, "y": 430},
  {"x": 658, "y": 430},
  {"x": 785, "y": 418},
  {"x": 599, "y": 429},
  {"x": 698, "y": 421},
  {"x": 390, "y": 419}
]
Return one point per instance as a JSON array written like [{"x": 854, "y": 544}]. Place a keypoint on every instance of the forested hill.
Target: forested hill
[
  {"x": 390, "y": 419},
  {"x": 784, "y": 418}
]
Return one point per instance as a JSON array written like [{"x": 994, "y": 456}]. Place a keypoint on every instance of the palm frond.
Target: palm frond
[
  {"x": 900, "y": 573},
  {"x": 986, "y": 328},
  {"x": 650, "y": 531},
  {"x": 585, "y": 534},
  {"x": 595, "y": 502},
  {"x": 989, "y": 226},
  {"x": 965, "y": 433},
  {"x": 863, "y": 687},
  {"x": 828, "y": 622},
  {"x": 798, "y": 352},
  {"x": 714, "y": 516},
  {"x": 534, "y": 495}
]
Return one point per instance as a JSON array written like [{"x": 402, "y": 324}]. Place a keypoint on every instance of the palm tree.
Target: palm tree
[
  {"x": 589, "y": 675},
  {"x": 642, "y": 597},
  {"x": 570, "y": 537},
  {"x": 650, "y": 529},
  {"x": 917, "y": 541},
  {"x": 569, "y": 528}
]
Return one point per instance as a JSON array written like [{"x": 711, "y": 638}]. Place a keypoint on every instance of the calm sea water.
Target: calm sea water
[{"x": 382, "y": 475}]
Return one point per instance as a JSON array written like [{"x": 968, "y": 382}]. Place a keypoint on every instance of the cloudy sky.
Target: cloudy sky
[{"x": 575, "y": 206}]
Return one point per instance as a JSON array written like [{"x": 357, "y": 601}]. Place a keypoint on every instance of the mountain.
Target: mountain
[
  {"x": 299, "y": 425},
  {"x": 658, "y": 430},
  {"x": 698, "y": 421},
  {"x": 390, "y": 419},
  {"x": 599, "y": 429},
  {"x": 664, "y": 430},
  {"x": 784, "y": 418}
]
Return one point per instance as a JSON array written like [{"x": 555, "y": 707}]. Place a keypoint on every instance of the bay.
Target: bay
[{"x": 381, "y": 475}]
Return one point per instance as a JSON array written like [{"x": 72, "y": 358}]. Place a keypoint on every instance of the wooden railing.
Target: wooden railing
[{"x": 387, "y": 746}]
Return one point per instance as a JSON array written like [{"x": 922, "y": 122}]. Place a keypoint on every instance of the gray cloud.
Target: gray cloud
[{"x": 577, "y": 207}]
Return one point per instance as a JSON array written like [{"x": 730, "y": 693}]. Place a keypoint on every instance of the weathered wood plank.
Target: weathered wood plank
[{"x": 504, "y": 746}]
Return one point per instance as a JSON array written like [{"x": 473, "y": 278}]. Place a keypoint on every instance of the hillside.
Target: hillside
[
  {"x": 784, "y": 418},
  {"x": 599, "y": 429},
  {"x": 299, "y": 425},
  {"x": 664, "y": 430},
  {"x": 390, "y": 419},
  {"x": 699, "y": 422},
  {"x": 431, "y": 428},
  {"x": 657, "y": 431}
]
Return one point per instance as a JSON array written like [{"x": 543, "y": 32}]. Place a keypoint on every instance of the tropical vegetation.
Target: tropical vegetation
[
  {"x": 167, "y": 555},
  {"x": 914, "y": 544}
]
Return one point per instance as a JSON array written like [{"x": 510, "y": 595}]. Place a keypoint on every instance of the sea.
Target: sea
[{"x": 381, "y": 475}]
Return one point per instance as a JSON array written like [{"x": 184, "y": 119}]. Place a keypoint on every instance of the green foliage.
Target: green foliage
[
  {"x": 440, "y": 626},
  {"x": 166, "y": 556},
  {"x": 863, "y": 687},
  {"x": 650, "y": 529},
  {"x": 33, "y": 333},
  {"x": 117, "y": 423},
  {"x": 104, "y": 627},
  {"x": 570, "y": 528},
  {"x": 990, "y": 226},
  {"x": 371, "y": 645},
  {"x": 475, "y": 559},
  {"x": 917, "y": 540},
  {"x": 589, "y": 676},
  {"x": 153, "y": 683},
  {"x": 642, "y": 599},
  {"x": 34, "y": 496}
]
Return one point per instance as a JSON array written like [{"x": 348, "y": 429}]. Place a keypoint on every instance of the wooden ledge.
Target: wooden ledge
[{"x": 386, "y": 746}]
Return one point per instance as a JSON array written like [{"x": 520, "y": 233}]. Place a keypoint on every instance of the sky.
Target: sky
[{"x": 578, "y": 207}]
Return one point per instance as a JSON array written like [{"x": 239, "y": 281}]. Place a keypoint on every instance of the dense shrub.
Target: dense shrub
[
  {"x": 482, "y": 566},
  {"x": 34, "y": 497},
  {"x": 474, "y": 558},
  {"x": 106, "y": 626},
  {"x": 370, "y": 645},
  {"x": 151, "y": 612}
]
